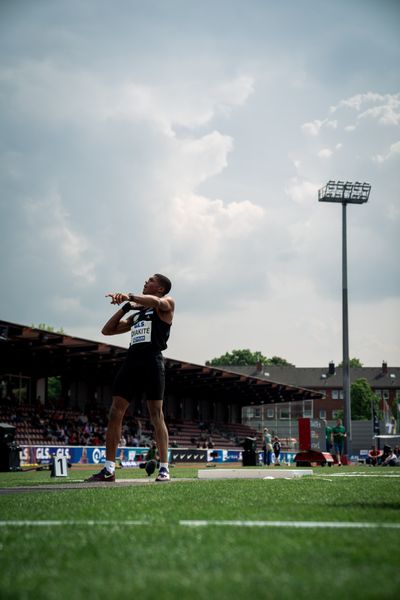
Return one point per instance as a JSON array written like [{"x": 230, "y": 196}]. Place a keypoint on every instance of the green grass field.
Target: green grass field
[{"x": 160, "y": 557}]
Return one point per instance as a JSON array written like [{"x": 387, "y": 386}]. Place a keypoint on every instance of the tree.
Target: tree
[
  {"x": 353, "y": 363},
  {"x": 53, "y": 388},
  {"x": 281, "y": 362},
  {"x": 363, "y": 400},
  {"x": 246, "y": 357},
  {"x": 48, "y": 328}
]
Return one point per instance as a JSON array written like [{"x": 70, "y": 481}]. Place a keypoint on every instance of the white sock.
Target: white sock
[
  {"x": 110, "y": 466},
  {"x": 164, "y": 465}
]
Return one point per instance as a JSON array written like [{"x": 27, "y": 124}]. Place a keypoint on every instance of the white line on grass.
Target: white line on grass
[
  {"x": 394, "y": 475},
  {"x": 299, "y": 524},
  {"x": 68, "y": 522},
  {"x": 294, "y": 524}
]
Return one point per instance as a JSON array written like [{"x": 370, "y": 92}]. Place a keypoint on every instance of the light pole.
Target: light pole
[{"x": 345, "y": 193}]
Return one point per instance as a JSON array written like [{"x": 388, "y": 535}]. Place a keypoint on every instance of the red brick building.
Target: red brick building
[{"x": 384, "y": 381}]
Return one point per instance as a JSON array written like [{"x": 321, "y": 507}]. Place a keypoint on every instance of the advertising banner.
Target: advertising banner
[
  {"x": 178, "y": 455},
  {"x": 94, "y": 455},
  {"x": 81, "y": 455}
]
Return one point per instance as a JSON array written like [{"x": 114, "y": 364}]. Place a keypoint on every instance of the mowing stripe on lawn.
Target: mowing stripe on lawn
[{"x": 298, "y": 524}]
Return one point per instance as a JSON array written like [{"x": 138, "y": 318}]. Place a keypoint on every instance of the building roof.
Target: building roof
[
  {"x": 37, "y": 353},
  {"x": 383, "y": 377}
]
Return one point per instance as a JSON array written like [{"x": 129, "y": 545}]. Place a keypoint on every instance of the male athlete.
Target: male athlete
[{"x": 143, "y": 369}]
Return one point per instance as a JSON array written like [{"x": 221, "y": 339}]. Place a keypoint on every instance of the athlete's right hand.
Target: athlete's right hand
[{"x": 117, "y": 298}]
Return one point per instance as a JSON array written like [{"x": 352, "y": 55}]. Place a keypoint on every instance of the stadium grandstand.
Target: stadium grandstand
[{"x": 203, "y": 404}]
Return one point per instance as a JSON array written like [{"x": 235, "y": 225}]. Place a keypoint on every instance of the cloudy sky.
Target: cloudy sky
[{"x": 190, "y": 138}]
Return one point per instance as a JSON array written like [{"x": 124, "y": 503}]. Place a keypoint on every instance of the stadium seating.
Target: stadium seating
[{"x": 40, "y": 426}]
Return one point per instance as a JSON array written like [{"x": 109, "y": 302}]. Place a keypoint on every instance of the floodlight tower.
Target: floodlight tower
[{"x": 345, "y": 193}]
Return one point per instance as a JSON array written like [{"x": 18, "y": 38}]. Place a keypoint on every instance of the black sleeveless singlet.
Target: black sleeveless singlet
[{"x": 148, "y": 333}]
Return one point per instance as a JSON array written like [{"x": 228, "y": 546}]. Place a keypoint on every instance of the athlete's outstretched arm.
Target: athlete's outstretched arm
[{"x": 163, "y": 304}]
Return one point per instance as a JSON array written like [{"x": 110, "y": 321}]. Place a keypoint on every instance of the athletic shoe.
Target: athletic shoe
[
  {"x": 163, "y": 475},
  {"x": 103, "y": 475}
]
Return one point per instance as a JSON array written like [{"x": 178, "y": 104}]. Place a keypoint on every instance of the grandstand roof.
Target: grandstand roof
[
  {"x": 38, "y": 353},
  {"x": 382, "y": 377}
]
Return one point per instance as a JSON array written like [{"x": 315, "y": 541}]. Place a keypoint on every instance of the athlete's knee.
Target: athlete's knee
[
  {"x": 117, "y": 410},
  {"x": 156, "y": 414}
]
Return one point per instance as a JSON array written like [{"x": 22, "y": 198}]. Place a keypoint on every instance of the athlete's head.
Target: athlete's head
[
  {"x": 164, "y": 282},
  {"x": 157, "y": 284}
]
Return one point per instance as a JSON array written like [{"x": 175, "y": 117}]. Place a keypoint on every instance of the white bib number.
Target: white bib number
[{"x": 141, "y": 332}]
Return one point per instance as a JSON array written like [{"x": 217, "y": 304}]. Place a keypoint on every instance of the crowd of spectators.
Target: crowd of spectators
[
  {"x": 388, "y": 457},
  {"x": 71, "y": 427}
]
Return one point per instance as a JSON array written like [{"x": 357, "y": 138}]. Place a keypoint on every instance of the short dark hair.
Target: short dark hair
[{"x": 164, "y": 281}]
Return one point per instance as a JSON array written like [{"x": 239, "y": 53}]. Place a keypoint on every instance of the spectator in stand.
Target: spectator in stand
[
  {"x": 210, "y": 443},
  {"x": 95, "y": 440},
  {"x": 373, "y": 456},
  {"x": 277, "y": 450}
]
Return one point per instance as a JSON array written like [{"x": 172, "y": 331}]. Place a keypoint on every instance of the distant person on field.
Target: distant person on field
[
  {"x": 339, "y": 435},
  {"x": 328, "y": 436},
  {"x": 276, "y": 445},
  {"x": 391, "y": 460},
  {"x": 373, "y": 456},
  {"x": 267, "y": 447}
]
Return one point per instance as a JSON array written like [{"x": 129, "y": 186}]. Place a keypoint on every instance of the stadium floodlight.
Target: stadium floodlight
[
  {"x": 340, "y": 191},
  {"x": 345, "y": 193}
]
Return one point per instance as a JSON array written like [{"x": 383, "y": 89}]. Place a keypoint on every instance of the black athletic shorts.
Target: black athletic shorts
[{"x": 141, "y": 374}]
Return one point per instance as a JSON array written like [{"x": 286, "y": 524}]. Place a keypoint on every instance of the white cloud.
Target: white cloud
[
  {"x": 185, "y": 105},
  {"x": 385, "y": 107},
  {"x": 393, "y": 152},
  {"x": 208, "y": 233},
  {"x": 196, "y": 216},
  {"x": 357, "y": 101},
  {"x": 234, "y": 92},
  {"x": 387, "y": 114},
  {"x": 195, "y": 160},
  {"x": 302, "y": 191},
  {"x": 325, "y": 153},
  {"x": 48, "y": 87},
  {"x": 314, "y": 127},
  {"x": 49, "y": 220}
]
